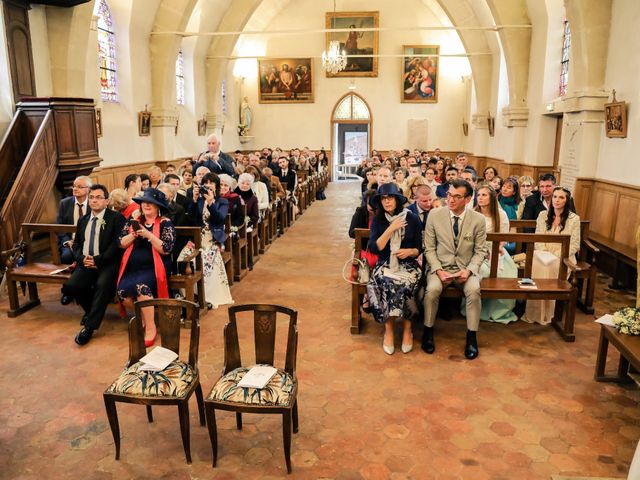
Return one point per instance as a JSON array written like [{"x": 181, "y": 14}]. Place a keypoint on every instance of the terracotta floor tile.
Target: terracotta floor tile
[{"x": 527, "y": 408}]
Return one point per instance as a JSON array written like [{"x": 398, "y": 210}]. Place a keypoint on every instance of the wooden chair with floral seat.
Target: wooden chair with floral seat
[
  {"x": 172, "y": 386},
  {"x": 280, "y": 394}
]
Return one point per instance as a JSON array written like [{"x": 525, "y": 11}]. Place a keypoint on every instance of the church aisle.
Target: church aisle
[{"x": 527, "y": 408}]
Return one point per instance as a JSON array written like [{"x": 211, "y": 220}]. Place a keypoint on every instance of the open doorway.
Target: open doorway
[{"x": 350, "y": 135}]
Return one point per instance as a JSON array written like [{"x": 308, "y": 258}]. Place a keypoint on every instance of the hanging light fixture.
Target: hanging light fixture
[{"x": 334, "y": 60}]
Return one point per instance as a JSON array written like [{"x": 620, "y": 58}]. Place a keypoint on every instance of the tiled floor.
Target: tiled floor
[{"x": 527, "y": 408}]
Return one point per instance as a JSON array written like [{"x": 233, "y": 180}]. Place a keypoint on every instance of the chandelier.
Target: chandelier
[{"x": 334, "y": 60}]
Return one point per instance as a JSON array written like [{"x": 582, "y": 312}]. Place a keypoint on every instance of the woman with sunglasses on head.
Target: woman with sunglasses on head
[
  {"x": 526, "y": 189},
  {"x": 546, "y": 259},
  {"x": 509, "y": 198}
]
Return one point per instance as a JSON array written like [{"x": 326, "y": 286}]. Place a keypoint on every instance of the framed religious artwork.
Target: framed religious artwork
[
  {"x": 144, "y": 123},
  {"x": 99, "y": 122},
  {"x": 285, "y": 80},
  {"x": 491, "y": 125},
  {"x": 202, "y": 127},
  {"x": 615, "y": 119},
  {"x": 361, "y": 48},
  {"x": 420, "y": 65}
]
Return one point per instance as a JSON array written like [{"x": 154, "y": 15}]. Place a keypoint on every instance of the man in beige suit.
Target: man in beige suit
[{"x": 454, "y": 244}]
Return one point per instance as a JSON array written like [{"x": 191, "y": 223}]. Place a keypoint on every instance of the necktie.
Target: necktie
[
  {"x": 92, "y": 235},
  {"x": 80, "y": 212},
  {"x": 455, "y": 227},
  {"x": 424, "y": 218}
]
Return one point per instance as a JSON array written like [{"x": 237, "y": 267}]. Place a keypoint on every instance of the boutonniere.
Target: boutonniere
[
  {"x": 467, "y": 236},
  {"x": 102, "y": 223}
]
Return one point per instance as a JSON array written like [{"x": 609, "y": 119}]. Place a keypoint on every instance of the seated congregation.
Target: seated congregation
[
  {"x": 431, "y": 226},
  {"x": 134, "y": 243}
]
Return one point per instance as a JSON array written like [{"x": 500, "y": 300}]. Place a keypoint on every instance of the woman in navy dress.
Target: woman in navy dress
[
  {"x": 146, "y": 264},
  {"x": 396, "y": 236}
]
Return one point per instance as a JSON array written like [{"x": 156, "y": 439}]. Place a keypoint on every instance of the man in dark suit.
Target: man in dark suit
[
  {"x": 216, "y": 161},
  {"x": 541, "y": 200},
  {"x": 174, "y": 180},
  {"x": 422, "y": 206},
  {"x": 450, "y": 175},
  {"x": 70, "y": 211},
  {"x": 287, "y": 176},
  {"x": 97, "y": 252}
]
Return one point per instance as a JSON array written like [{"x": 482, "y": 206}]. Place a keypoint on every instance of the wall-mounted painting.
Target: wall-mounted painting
[
  {"x": 420, "y": 65},
  {"x": 99, "y": 122},
  {"x": 355, "y": 42},
  {"x": 285, "y": 80},
  {"x": 615, "y": 123},
  {"x": 144, "y": 123}
]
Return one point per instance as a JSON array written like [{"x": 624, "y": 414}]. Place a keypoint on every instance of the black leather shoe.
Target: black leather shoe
[
  {"x": 428, "y": 343},
  {"x": 83, "y": 320},
  {"x": 471, "y": 348},
  {"x": 84, "y": 336},
  {"x": 66, "y": 299}
]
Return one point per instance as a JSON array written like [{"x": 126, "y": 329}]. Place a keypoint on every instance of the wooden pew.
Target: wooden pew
[
  {"x": 33, "y": 272},
  {"x": 629, "y": 348},
  {"x": 558, "y": 289},
  {"x": 241, "y": 251},
  {"x": 583, "y": 274},
  {"x": 227, "y": 254}
]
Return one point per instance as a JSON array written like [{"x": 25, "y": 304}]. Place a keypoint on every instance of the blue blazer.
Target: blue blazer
[
  {"x": 217, "y": 213},
  {"x": 412, "y": 236}
]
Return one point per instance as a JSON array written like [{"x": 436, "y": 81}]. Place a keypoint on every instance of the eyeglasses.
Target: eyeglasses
[
  {"x": 96, "y": 197},
  {"x": 79, "y": 186},
  {"x": 525, "y": 185},
  {"x": 455, "y": 197}
]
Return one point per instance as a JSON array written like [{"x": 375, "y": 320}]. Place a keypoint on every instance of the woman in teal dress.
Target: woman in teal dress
[{"x": 495, "y": 310}]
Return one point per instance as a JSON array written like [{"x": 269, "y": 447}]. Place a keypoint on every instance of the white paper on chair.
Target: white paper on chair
[
  {"x": 157, "y": 359},
  {"x": 257, "y": 377},
  {"x": 606, "y": 320}
]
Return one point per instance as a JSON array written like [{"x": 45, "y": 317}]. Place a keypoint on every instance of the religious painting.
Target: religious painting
[
  {"x": 615, "y": 119},
  {"x": 360, "y": 47},
  {"x": 144, "y": 123},
  {"x": 202, "y": 127},
  {"x": 285, "y": 80},
  {"x": 491, "y": 125},
  {"x": 420, "y": 65},
  {"x": 99, "y": 122}
]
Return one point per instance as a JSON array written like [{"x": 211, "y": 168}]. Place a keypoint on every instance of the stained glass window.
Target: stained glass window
[
  {"x": 180, "y": 79},
  {"x": 106, "y": 52},
  {"x": 352, "y": 107},
  {"x": 564, "y": 69}
]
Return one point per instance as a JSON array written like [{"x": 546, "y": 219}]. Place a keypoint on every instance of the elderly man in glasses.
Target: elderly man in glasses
[{"x": 71, "y": 210}]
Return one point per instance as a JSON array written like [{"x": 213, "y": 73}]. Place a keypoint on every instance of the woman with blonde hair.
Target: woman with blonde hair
[
  {"x": 526, "y": 189},
  {"x": 120, "y": 201},
  {"x": 412, "y": 184}
]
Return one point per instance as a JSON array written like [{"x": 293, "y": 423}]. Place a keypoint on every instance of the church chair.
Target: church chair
[
  {"x": 253, "y": 243},
  {"x": 264, "y": 237},
  {"x": 273, "y": 222},
  {"x": 172, "y": 386},
  {"x": 279, "y": 396}
]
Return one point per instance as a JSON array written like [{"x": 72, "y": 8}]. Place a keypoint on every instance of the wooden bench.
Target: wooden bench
[
  {"x": 583, "y": 273},
  {"x": 558, "y": 289},
  {"x": 33, "y": 272},
  {"x": 629, "y": 348}
]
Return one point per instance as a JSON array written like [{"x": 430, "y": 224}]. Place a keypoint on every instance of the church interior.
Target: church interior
[{"x": 103, "y": 89}]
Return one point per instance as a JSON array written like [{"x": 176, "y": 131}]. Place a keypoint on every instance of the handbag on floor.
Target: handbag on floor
[{"x": 359, "y": 273}]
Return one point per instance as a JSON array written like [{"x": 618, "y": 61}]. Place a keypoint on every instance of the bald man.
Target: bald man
[{"x": 216, "y": 161}]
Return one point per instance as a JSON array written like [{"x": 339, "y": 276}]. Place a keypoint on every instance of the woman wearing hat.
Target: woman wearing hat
[
  {"x": 146, "y": 263},
  {"x": 396, "y": 237}
]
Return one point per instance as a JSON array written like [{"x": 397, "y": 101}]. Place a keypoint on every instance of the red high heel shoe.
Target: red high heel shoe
[{"x": 148, "y": 343}]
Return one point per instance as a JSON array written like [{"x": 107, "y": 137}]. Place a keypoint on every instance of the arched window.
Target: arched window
[
  {"x": 180, "y": 79},
  {"x": 106, "y": 52},
  {"x": 351, "y": 107},
  {"x": 564, "y": 69}
]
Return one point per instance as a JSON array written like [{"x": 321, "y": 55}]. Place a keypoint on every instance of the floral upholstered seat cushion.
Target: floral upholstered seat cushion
[
  {"x": 173, "y": 381},
  {"x": 277, "y": 392}
]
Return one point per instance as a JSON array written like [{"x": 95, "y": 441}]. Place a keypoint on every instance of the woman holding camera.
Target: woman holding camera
[
  {"x": 146, "y": 263},
  {"x": 211, "y": 210}
]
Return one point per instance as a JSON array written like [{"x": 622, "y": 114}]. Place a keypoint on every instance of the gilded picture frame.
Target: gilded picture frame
[
  {"x": 615, "y": 119},
  {"x": 355, "y": 42},
  {"x": 285, "y": 80},
  {"x": 144, "y": 123},
  {"x": 420, "y": 73}
]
